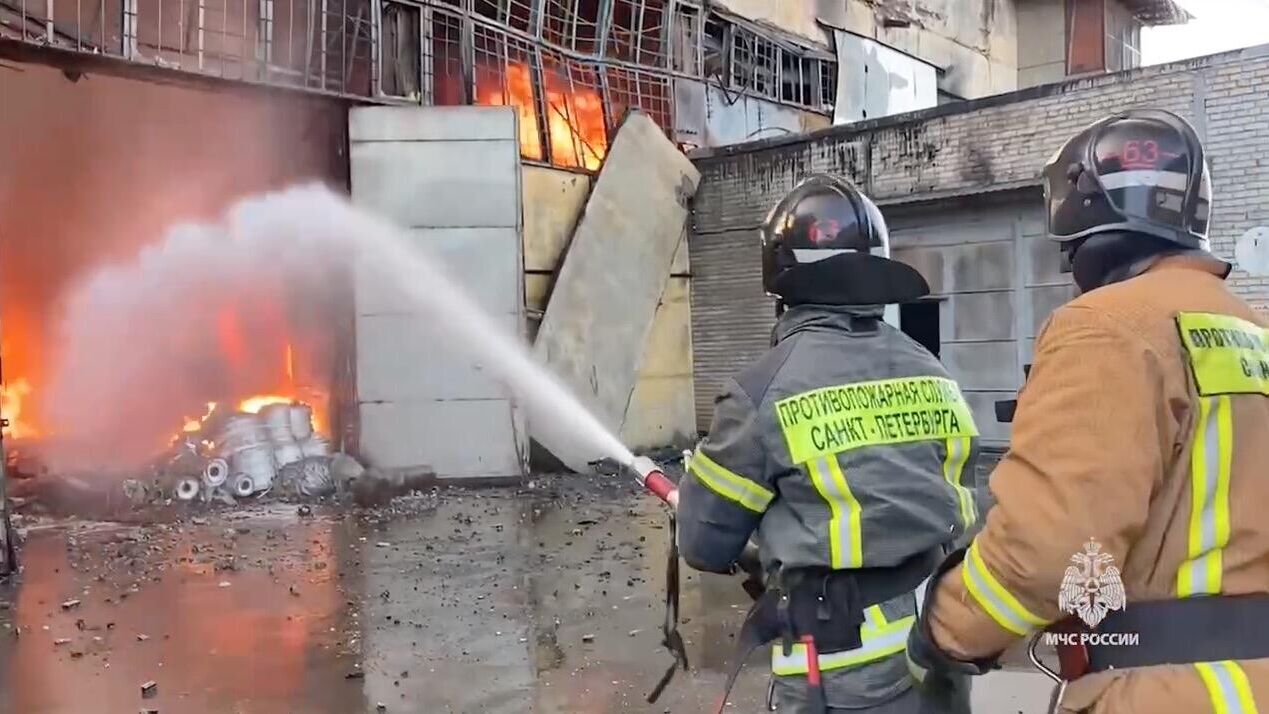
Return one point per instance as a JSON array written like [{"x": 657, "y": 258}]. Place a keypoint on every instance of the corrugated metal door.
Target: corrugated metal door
[
  {"x": 451, "y": 177},
  {"x": 997, "y": 279}
]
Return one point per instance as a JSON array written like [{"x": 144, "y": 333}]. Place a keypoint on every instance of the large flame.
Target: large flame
[
  {"x": 12, "y": 394},
  {"x": 575, "y": 115}
]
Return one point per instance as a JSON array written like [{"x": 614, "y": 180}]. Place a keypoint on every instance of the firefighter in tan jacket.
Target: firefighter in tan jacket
[{"x": 1134, "y": 500}]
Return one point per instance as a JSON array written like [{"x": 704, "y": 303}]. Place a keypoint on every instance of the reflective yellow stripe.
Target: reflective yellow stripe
[
  {"x": 878, "y": 643},
  {"x": 953, "y": 466},
  {"x": 1228, "y": 355},
  {"x": 1210, "y": 462},
  {"x": 730, "y": 486},
  {"x": 995, "y": 600},
  {"x": 874, "y": 617},
  {"x": 831, "y": 420},
  {"x": 1228, "y": 687},
  {"x": 845, "y": 523}
]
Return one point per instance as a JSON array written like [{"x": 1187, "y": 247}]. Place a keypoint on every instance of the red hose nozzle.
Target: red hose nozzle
[{"x": 650, "y": 475}]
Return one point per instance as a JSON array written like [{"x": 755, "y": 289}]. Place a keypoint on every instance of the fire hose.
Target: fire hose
[{"x": 650, "y": 476}]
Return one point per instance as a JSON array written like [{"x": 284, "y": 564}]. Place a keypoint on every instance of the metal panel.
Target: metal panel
[
  {"x": 875, "y": 81},
  {"x": 423, "y": 406},
  {"x": 613, "y": 276},
  {"x": 458, "y": 439},
  {"x": 732, "y": 316},
  {"x": 456, "y": 183},
  {"x": 398, "y": 359},
  {"x": 440, "y": 124},
  {"x": 480, "y": 255}
]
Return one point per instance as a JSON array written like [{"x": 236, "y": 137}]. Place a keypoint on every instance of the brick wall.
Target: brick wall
[
  {"x": 945, "y": 157},
  {"x": 1002, "y": 142}
]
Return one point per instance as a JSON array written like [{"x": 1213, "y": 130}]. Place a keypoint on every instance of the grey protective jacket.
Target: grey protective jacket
[{"x": 846, "y": 445}]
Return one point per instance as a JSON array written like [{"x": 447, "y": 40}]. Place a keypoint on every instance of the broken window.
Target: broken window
[
  {"x": 637, "y": 32},
  {"x": 444, "y": 75},
  {"x": 714, "y": 44},
  {"x": 505, "y": 69},
  {"x": 1123, "y": 39},
  {"x": 400, "y": 52},
  {"x": 798, "y": 76},
  {"x": 685, "y": 45},
  {"x": 516, "y": 14},
  {"x": 828, "y": 85},
  {"x": 571, "y": 24},
  {"x": 574, "y": 113},
  {"x": 755, "y": 63}
]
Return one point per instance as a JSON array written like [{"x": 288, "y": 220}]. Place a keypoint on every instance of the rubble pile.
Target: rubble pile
[{"x": 244, "y": 455}]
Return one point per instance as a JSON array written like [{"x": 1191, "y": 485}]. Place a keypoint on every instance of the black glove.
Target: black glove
[{"x": 938, "y": 675}]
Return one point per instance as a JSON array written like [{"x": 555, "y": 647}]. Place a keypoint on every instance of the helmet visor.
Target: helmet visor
[{"x": 1151, "y": 171}]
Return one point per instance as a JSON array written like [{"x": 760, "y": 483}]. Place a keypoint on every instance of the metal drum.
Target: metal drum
[
  {"x": 315, "y": 446},
  {"x": 277, "y": 421},
  {"x": 216, "y": 473},
  {"x": 256, "y": 463},
  {"x": 286, "y": 453},
  {"x": 243, "y": 431},
  {"x": 301, "y": 416}
]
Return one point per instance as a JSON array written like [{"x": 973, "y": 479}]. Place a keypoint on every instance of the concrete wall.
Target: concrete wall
[
  {"x": 611, "y": 282},
  {"x": 959, "y": 151},
  {"x": 449, "y": 176},
  {"x": 1041, "y": 42},
  {"x": 974, "y": 41},
  {"x": 661, "y": 409}
]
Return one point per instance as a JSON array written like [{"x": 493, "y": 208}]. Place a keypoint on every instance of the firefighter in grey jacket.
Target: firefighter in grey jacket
[{"x": 847, "y": 450}]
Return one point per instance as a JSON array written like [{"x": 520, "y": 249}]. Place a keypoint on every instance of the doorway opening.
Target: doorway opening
[{"x": 920, "y": 321}]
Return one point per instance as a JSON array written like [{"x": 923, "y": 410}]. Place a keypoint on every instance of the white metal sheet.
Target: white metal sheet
[
  {"x": 485, "y": 259},
  {"x": 451, "y": 176},
  {"x": 450, "y": 184}
]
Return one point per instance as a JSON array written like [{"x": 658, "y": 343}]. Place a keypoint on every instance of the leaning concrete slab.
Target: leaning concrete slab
[{"x": 612, "y": 278}]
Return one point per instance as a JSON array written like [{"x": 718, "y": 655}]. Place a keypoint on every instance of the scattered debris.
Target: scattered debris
[
  {"x": 304, "y": 510},
  {"x": 149, "y": 689}
]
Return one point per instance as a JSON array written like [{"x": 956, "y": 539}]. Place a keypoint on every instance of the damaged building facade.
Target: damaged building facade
[
  {"x": 138, "y": 114},
  {"x": 959, "y": 185}
]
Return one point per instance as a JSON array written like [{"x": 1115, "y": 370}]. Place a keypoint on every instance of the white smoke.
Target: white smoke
[{"x": 137, "y": 342}]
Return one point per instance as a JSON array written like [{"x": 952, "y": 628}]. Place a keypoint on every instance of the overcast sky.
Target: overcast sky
[{"x": 1219, "y": 25}]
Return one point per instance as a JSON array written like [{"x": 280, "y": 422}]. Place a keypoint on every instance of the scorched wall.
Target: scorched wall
[{"x": 960, "y": 186}]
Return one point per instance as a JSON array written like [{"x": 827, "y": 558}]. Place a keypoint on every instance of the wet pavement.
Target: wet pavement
[{"x": 539, "y": 599}]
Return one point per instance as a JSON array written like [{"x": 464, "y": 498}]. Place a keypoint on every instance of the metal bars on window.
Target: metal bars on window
[{"x": 325, "y": 45}]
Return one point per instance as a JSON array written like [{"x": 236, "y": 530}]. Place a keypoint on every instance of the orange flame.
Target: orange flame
[
  {"x": 575, "y": 115},
  {"x": 11, "y": 396},
  {"x": 196, "y": 425},
  {"x": 253, "y": 405}
]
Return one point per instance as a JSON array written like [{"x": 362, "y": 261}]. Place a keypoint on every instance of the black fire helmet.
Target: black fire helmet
[
  {"x": 826, "y": 243},
  {"x": 1141, "y": 172}
]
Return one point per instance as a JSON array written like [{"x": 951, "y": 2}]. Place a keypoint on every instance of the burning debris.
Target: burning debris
[{"x": 248, "y": 453}]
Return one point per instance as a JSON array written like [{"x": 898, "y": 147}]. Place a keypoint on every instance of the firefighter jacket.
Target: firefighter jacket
[
  {"x": 1142, "y": 432},
  {"x": 845, "y": 446}
]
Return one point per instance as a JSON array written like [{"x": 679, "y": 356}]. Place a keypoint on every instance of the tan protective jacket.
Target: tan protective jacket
[{"x": 1112, "y": 441}]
